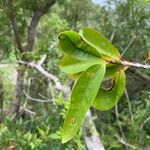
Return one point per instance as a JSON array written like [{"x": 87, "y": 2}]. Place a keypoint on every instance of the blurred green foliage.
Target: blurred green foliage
[{"x": 128, "y": 21}]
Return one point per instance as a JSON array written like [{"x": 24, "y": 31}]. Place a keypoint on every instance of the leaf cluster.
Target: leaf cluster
[{"x": 89, "y": 58}]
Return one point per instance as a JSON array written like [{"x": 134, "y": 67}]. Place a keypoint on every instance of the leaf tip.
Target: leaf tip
[{"x": 65, "y": 139}]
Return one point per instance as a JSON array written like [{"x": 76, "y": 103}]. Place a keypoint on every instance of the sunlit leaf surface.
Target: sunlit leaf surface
[
  {"x": 99, "y": 42},
  {"x": 83, "y": 95}
]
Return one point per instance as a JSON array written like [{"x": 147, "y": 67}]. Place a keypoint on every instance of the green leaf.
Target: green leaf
[
  {"x": 106, "y": 99},
  {"x": 73, "y": 66},
  {"x": 83, "y": 95},
  {"x": 99, "y": 42},
  {"x": 73, "y": 45}
]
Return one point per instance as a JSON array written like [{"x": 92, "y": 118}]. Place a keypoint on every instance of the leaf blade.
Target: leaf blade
[
  {"x": 83, "y": 95},
  {"x": 106, "y": 99},
  {"x": 72, "y": 45},
  {"x": 73, "y": 66},
  {"x": 99, "y": 42}
]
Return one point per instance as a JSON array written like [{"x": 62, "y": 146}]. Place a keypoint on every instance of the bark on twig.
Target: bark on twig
[
  {"x": 35, "y": 99},
  {"x": 40, "y": 69},
  {"x": 134, "y": 64},
  {"x": 123, "y": 63},
  {"x": 27, "y": 111}
]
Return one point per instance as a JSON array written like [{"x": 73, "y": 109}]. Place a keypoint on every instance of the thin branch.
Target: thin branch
[
  {"x": 134, "y": 64},
  {"x": 39, "y": 68},
  {"x": 129, "y": 105},
  {"x": 112, "y": 36},
  {"x": 35, "y": 99},
  {"x": 145, "y": 121},
  {"x": 131, "y": 41},
  {"x": 42, "y": 96},
  {"x": 122, "y": 62},
  {"x": 58, "y": 85},
  {"x": 119, "y": 125},
  {"x": 42, "y": 60},
  {"x": 125, "y": 143},
  {"x": 27, "y": 111},
  {"x": 14, "y": 25},
  {"x": 142, "y": 76}
]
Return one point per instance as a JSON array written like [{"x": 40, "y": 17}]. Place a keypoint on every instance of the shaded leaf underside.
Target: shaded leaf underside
[{"x": 106, "y": 99}]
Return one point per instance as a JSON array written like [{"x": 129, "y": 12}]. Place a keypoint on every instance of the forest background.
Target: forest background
[{"x": 33, "y": 103}]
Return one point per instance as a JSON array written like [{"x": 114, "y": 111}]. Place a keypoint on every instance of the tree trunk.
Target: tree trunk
[
  {"x": 92, "y": 139},
  {"x": 18, "y": 92}
]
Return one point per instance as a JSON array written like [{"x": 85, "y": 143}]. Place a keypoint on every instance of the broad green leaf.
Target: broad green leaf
[
  {"x": 73, "y": 45},
  {"x": 83, "y": 95},
  {"x": 99, "y": 42},
  {"x": 73, "y": 66},
  {"x": 106, "y": 99}
]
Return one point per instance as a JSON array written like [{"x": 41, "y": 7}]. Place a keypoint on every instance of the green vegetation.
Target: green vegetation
[
  {"x": 36, "y": 78},
  {"x": 87, "y": 91}
]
